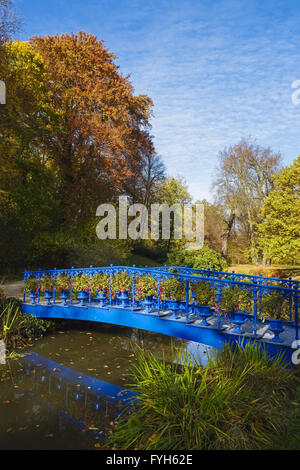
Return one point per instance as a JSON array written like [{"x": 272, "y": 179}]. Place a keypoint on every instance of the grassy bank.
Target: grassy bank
[
  {"x": 239, "y": 401},
  {"x": 269, "y": 271},
  {"x": 16, "y": 328}
]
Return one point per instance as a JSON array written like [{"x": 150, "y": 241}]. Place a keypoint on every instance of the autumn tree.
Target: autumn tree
[
  {"x": 28, "y": 204},
  {"x": 9, "y": 22},
  {"x": 245, "y": 176},
  {"x": 280, "y": 229},
  {"x": 151, "y": 178},
  {"x": 102, "y": 127},
  {"x": 73, "y": 135}
]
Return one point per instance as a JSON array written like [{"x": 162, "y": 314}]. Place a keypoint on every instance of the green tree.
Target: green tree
[
  {"x": 245, "y": 177},
  {"x": 28, "y": 204},
  {"x": 280, "y": 229}
]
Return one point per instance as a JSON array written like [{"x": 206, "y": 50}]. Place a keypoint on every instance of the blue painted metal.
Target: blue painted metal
[
  {"x": 102, "y": 395},
  {"x": 125, "y": 311}
]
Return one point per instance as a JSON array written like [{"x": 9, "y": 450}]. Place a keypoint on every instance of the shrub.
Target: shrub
[
  {"x": 31, "y": 284},
  {"x": 100, "y": 283},
  {"x": 205, "y": 258},
  {"x": 81, "y": 283},
  {"x": 236, "y": 299},
  {"x": 16, "y": 326},
  {"x": 145, "y": 285},
  {"x": 63, "y": 283},
  {"x": 172, "y": 289},
  {"x": 204, "y": 294},
  {"x": 46, "y": 283},
  {"x": 121, "y": 282},
  {"x": 274, "y": 305}
]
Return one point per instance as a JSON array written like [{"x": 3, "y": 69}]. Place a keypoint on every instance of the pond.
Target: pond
[{"x": 68, "y": 388}]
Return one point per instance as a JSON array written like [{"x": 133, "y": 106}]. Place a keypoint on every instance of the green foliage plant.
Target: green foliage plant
[
  {"x": 121, "y": 282},
  {"x": 275, "y": 306},
  {"x": 82, "y": 283},
  {"x": 46, "y": 283},
  {"x": 204, "y": 293},
  {"x": 63, "y": 283},
  {"x": 172, "y": 289},
  {"x": 236, "y": 299},
  {"x": 205, "y": 258},
  {"x": 100, "y": 283},
  {"x": 31, "y": 284},
  {"x": 145, "y": 285}
]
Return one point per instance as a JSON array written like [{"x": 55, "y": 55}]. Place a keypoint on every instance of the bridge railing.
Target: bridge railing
[
  {"x": 257, "y": 287},
  {"x": 233, "y": 276}
]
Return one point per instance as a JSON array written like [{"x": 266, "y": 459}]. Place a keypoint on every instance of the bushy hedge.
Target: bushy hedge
[{"x": 205, "y": 258}]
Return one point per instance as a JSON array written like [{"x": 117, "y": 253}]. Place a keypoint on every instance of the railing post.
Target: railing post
[
  {"x": 187, "y": 298},
  {"x": 158, "y": 295},
  {"x": 296, "y": 304},
  {"x": 218, "y": 297},
  {"x": 133, "y": 286},
  {"x": 71, "y": 287},
  {"x": 110, "y": 283},
  {"x": 54, "y": 289},
  {"x": 260, "y": 294},
  {"x": 39, "y": 288},
  {"x": 24, "y": 289},
  {"x": 254, "y": 291},
  {"x": 291, "y": 300},
  {"x": 90, "y": 295}
]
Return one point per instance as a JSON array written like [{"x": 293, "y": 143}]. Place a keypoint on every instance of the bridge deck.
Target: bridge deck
[{"x": 166, "y": 324}]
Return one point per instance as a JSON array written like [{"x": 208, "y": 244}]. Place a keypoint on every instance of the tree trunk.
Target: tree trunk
[{"x": 226, "y": 234}]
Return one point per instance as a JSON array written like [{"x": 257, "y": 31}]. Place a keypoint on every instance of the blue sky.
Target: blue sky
[{"x": 215, "y": 70}]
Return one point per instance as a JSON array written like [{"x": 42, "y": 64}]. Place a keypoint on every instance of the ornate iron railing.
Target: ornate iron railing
[{"x": 257, "y": 286}]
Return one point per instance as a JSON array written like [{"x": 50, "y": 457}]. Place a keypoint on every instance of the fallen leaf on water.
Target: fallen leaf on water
[{"x": 5, "y": 402}]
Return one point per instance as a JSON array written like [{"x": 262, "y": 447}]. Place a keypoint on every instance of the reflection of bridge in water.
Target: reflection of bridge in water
[{"x": 75, "y": 397}]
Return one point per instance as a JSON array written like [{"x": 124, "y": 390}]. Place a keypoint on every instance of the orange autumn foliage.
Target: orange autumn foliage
[{"x": 100, "y": 129}]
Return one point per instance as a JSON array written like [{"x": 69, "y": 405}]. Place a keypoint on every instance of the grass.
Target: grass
[
  {"x": 239, "y": 401},
  {"x": 268, "y": 271},
  {"x": 16, "y": 328}
]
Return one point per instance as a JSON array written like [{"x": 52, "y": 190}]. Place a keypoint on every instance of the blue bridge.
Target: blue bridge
[{"x": 192, "y": 304}]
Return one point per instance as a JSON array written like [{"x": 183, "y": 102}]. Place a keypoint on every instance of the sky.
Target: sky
[{"x": 216, "y": 70}]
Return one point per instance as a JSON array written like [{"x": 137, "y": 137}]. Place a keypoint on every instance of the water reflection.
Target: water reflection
[{"x": 67, "y": 391}]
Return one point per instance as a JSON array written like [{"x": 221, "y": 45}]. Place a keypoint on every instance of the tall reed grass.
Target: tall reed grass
[
  {"x": 16, "y": 327},
  {"x": 236, "y": 401}
]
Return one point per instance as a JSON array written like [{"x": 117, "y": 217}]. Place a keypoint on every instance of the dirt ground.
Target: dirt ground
[{"x": 13, "y": 289}]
